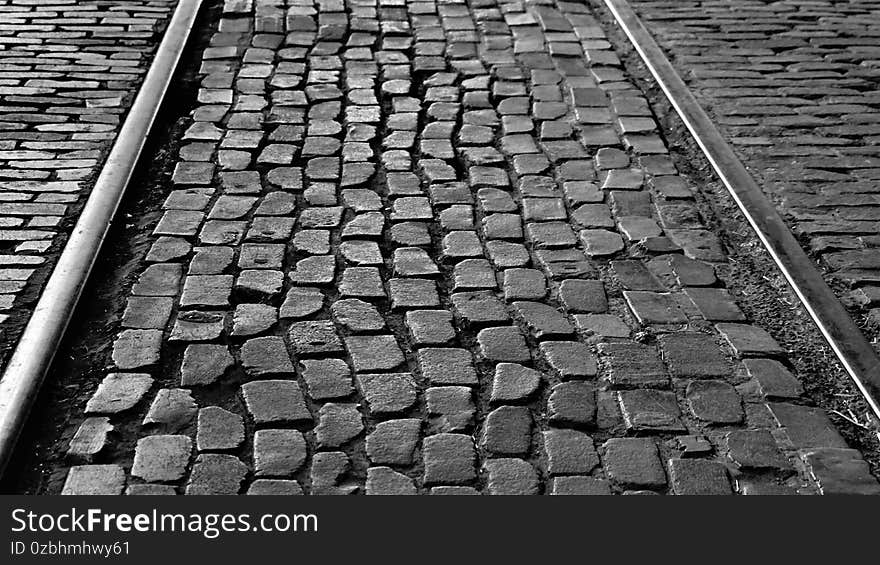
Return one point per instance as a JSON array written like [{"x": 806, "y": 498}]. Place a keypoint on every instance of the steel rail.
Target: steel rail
[
  {"x": 855, "y": 352},
  {"x": 33, "y": 355}
]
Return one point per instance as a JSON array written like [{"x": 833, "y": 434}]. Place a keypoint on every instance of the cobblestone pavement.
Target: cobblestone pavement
[
  {"x": 794, "y": 85},
  {"x": 438, "y": 247},
  {"x": 68, "y": 70}
]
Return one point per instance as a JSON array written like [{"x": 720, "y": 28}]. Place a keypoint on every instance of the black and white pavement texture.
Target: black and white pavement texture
[{"x": 421, "y": 247}]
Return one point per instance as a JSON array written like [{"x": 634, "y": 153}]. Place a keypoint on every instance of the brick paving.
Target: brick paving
[
  {"x": 438, "y": 248},
  {"x": 68, "y": 71},
  {"x": 794, "y": 87}
]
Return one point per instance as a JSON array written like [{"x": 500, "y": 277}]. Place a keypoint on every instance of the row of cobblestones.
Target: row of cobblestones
[
  {"x": 794, "y": 86},
  {"x": 67, "y": 74},
  {"x": 438, "y": 247}
]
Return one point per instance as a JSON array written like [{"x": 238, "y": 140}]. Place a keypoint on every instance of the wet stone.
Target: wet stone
[
  {"x": 449, "y": 459},
  {"x": 572, "y": 404},
  {"x": 218, "y": 429},
  {"x": 569, "y": 452},
  {"x": 514, "y": 383},
  {"x": 511, "y": 477},
  {"x": 327, "y": 378},
  {"x": 204, "y": 364},
  {"x": 161, "y": 458},
  {"x": 274, "y": 401},
  {"x": 278, "y": 453},
  {"x": 715, "y": 402},
  {"x": 651, "y": 411},
  {"x": 394, "y": 442},
  {"x": 698, "y": 477},
  {"x": 633, "y": 463}
]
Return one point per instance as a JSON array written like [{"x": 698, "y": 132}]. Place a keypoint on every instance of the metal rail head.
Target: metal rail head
[
  {"x": 35, "y": 351},
  {"x": 846, "y": 340}
]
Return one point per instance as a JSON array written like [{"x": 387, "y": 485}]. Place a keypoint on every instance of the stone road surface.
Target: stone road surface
[
  {"x": 794, "y": 85},
  {"x": 438, "y": 247},
  {"x": 68, "y": 71}
]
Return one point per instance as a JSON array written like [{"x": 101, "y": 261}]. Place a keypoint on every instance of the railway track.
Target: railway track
[{"x": 648, "y": 305}]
